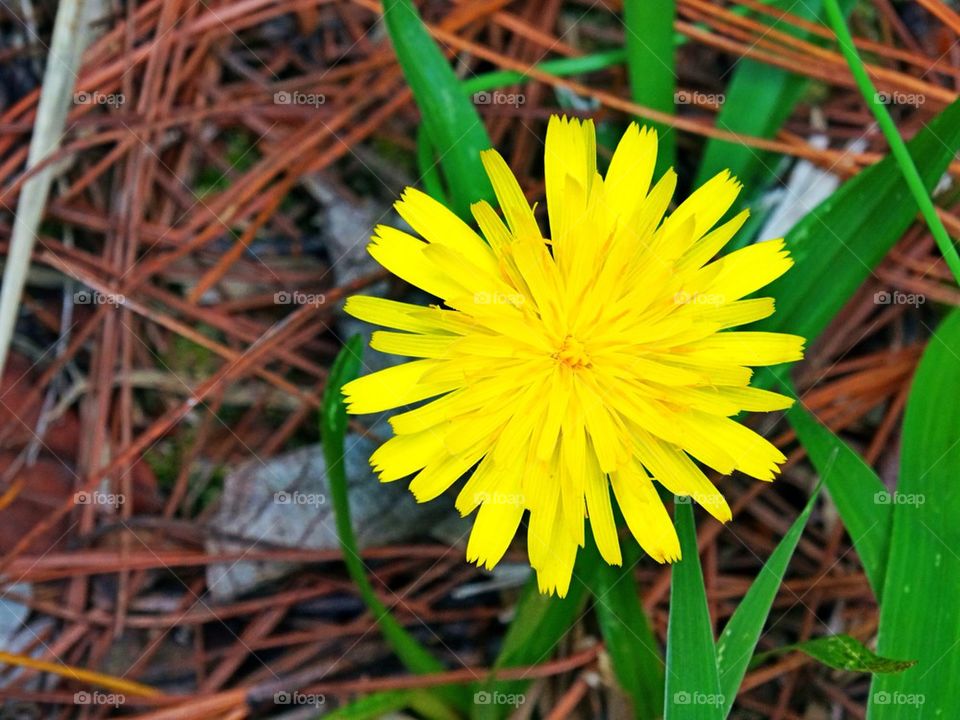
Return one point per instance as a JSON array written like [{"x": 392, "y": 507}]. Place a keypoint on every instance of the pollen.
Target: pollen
[{"x": 572, "y": 354}]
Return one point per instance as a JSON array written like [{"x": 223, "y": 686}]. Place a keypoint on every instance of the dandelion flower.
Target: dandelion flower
[{"x": 566, "y": 371}]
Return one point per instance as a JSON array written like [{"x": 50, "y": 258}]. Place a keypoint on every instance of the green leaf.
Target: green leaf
[
  {"x": 860, "y": 496},
  {"x": 333, "y": 426},
  {"x": 739, "y": 638},
  {"x": 920, "y": 615},
  {"x": 538, "y": 625},
  {"x": 693, "y": 681},
  {"x": 630, "y": 642},
  {"x": 841, "y": 652},
  {"x": 837, "y": 245},
  {"x": 650, "y": 48},
  {"x": 456, "y": 131}
]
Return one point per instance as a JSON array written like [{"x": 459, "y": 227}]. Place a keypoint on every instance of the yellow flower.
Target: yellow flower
[{"x": 597, "y": 360}]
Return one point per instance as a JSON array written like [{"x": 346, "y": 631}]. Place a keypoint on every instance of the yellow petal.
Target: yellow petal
[
  {"x": 493, "y": 530},
  {"x": 601, "y": 516},
  {"x": 514, "y": 205},
  {"x": 392, "y": 314},
  {"x": 680, "y": 475},
  {"x": 631, "y": 169},
  {"x": 402, "y": 254},
  {"x": 707, "y": 204},
  {"x": 569, "y": 156},
  {"x": 749, "y": 348},
  {"x": 440, "y": 474},
  {"x": 393, "y": 387},
  {"x": 437, "y": 224},
  {"x": 747, "y": 270},
  {"x": 404, "y": 455},
  {"x": 646, "y": 516}
]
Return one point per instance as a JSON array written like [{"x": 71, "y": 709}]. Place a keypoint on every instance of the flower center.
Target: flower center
[{"x": 572, "y": 353}]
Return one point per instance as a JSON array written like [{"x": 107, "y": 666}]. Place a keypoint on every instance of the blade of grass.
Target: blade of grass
[
  {"x": 860, "y": 496},
  {"x": 427, "y": 166},
  {"x": 739, "y": 638},
  {"x": 848, "y": 234},
  {"x": 629, "y": 639},
  {"x": 649, "y": 41},
  {"x": 890, "y": 132},
  {"x": 919, "y": 616},
  {"x": 333, "y": 420},
  {"x": 692, "y": 679},
  {"x": 456, "y": 131}
]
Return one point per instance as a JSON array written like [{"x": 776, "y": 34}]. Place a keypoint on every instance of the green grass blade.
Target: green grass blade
[
  {"x": 456, "y": 131},
  {"x": 920, "y": 615},
  {"x": 841, "y": 652},
  {"x": 540, "y": 622},
  {"x": 333, "y": 422},
  {"x": 890, "y": 132},
  {"x": 650, "y": 48},
  {"x": 848, "y": 234},
  {"x": 427, "y": 167},
  {"x": 629, "y": 639},
  {"x": 692, "y": 681},
  {"x": 860, "y": 496},
  {"x": 739, "y": 638}
]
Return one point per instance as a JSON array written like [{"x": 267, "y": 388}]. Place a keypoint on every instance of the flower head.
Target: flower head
[{"x": 567, "y": 369}]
